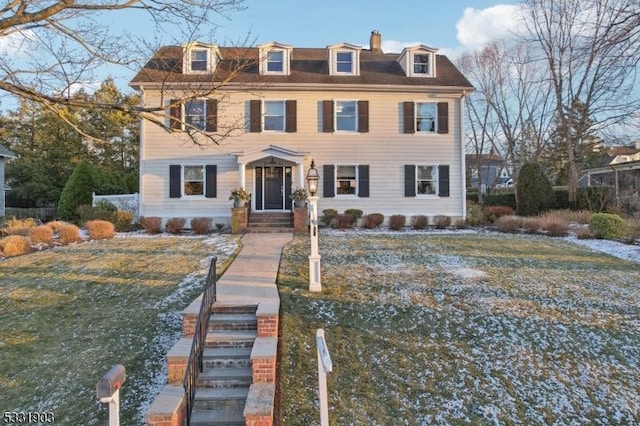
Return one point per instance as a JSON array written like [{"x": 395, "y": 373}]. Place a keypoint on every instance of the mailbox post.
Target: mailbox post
[
  {"x": 324, "y": 366},
  {"x": 108, "y": 391}
]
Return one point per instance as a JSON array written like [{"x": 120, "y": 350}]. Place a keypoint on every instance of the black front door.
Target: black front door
[{"x": 273, "y": 188}]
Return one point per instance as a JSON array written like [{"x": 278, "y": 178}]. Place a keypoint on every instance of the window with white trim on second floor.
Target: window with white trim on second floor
[
  {"x": 426, "y": 115},
  {"x": 193, "y": 115},
  {"x": 274, "y": 116},
  {"x": 346, "y": 116}
]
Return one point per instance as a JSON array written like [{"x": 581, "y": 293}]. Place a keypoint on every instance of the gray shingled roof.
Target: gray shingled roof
[
  {"x": 308, "y": 66},
  {"x": 4, "y": 152}
]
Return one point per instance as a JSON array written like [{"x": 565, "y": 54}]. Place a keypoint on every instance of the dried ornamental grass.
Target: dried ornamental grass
[
  {"x": 41, "y": 234},
  {"x": 555, "y": 226},
  {"x": 201, "y": 225},
  {"x": 100, "y": 229},
  {"x": 175, "y": 225},
  {"x": 68, "y": 234},
  {"x": 532, "y": 224},
  {"x": 55, "y": 225},
  {"x": 509, "y": 224},
  {"x": 151, "y": 224},
  {"x": 15, "y": 245}
]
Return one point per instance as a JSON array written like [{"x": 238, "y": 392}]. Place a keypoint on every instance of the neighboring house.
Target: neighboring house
[
  {"x": 5, "y": 155},
  {"x": 487, "y": 171},
  {"x": 619, "y": 169},
  {"x": 384, "y": 129}
]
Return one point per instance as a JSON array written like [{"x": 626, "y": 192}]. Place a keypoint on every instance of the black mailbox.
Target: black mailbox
[{"x": 111, "y": 381}]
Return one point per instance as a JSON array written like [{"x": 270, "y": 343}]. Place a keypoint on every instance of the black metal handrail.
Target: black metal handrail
[{"x": 195, "y": 363}]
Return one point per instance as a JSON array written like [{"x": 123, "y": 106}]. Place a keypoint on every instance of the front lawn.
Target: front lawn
[
  {"x": 69, "y": 314},
  {"x": 461, "y": 329}
]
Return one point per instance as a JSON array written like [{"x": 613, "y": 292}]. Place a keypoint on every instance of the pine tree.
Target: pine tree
[{"x": 533, "y": 190}]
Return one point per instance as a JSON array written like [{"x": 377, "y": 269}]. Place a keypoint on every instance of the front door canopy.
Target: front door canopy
[{"x": 246, "y": 157}]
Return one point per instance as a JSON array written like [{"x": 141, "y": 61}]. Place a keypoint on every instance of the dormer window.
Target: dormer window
[
  {"x": 275, "y": 58},
  {"x": 199, "y": 58},
  {"x": 418, "y": 61},
  {"x": 344, "y": 59},
  {"x": 344, "y": 62}
]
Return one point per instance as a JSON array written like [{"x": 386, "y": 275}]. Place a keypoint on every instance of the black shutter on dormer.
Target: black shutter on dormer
[
  {"x": 327, "y": 117},
  {"x": 211, "y": 176},
  {"x": 328, "y": 175},
  {"x": 255, "y": 118},
  {"x": 363, "y": 116},
  {"x": 291, "y": 109},
  {"x": 175, "y": 172},
  {"x": 175, "y": 114},
  {"x": 409, "y": 180},
  {"x": 443, "y": 117},
  {"x": 212, "y": 115},
  {"x": 363, "y": 180},
  {"x": 409, "y": 117},
  {"x": 443, "y": 181}
]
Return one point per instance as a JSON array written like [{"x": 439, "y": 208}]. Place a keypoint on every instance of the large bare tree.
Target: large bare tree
[
  {"x": 591, "y": 51},
  {"x": 52, "y": 48}
]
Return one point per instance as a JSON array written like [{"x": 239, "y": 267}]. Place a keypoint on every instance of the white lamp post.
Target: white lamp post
[{"x": 314, "y": 259}]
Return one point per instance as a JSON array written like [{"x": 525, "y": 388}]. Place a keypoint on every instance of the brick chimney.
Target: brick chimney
[{"x": 375, "y": 42}]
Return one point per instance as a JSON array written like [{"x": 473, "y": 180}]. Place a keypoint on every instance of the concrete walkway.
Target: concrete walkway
[{"x": 251, "y": 277}]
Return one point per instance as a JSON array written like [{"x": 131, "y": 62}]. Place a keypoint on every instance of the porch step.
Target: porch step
[
  {"x": 226, "y": 357},
  {"x": 270, "y": 222},
  {"x": 230, "y": 338},
  {"x": 228, "y": 399},
  {"x": 233, "y": 322},
  {"x": 217, "y": 418},
  {"x": 221, "y": 308},
  {"x": 222, "y": 377}
]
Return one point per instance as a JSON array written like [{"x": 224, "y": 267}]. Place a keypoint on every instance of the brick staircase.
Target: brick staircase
[
  {"x": 224, "y": 384},
  {"x": 270, "y": 222}
]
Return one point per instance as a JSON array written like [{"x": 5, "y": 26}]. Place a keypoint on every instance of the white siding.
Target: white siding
[{"x": 385, "y": 148}]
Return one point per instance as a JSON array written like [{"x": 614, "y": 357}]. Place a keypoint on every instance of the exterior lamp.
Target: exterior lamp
[
  {"x": 312, "y": 179},
  {"x": 314, "y": 259}
]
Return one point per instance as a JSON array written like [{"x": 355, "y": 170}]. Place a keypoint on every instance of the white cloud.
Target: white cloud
[
  {"x": 478, "y": 27},
  {"x": 18, "y": 43},
  {"x": 394, "y": 46}
]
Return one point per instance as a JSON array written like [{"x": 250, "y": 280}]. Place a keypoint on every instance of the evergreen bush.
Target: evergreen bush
[
  {"x": 328, "y": 215},
  {"x": 354, "y": 213},
  {"x": 607, "y": 226},
  {"x": 534, "y": 191}
]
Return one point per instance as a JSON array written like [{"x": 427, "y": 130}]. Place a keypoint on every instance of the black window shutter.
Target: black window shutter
[
  {"x": 443, "y": 117},
  {"x": 409, "y": 180},
  {"x": 255, "y": 119},
  {"x": 328, "y": 175},
  {"x": 212, "y": 115},
  {"x": 258, "y": 188},
  {"x": 363, "y": 180},
  {"x": 291, "y": 109},
  {"x": 211, "y": 173},
  {"x": 175, "y": 190},
  {"x": 175, "y": 115},
  {"x": 409, "y": 117},
  {"x": 443, "y": 181},
  {"x": 363, "y": 116},
  {"x": 327, "y": 117}
]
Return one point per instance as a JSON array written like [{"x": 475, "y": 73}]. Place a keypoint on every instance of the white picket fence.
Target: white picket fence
[{"x": 125, "y": 202}]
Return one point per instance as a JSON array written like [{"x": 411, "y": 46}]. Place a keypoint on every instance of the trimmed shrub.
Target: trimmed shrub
[
  {"x": 534, "y": 191},
  {"x": 42, "y": 234},
  {"x": 219, "y": 226},
  {"x": 175, "y": 225},
  {"x": 328, "y": 215},
  {"x": 509, "y": 224},
  {"x": 372, "y": 220},
  {"x": 504, "y": 198},
  {"x": 442, "y": 222},
  {"x": 531, "y": 224},
  {"x": 397, "y": 222},
  {"x": 68, "y": 234},
  {"x": 607, "y": 226},
  {"x": 77, "y": 191},
  {"x": 419, "y": 221},
  {"x": 15, "y": 245},
  {"x": 151, "y": 224},
  {"x": 492, "y": 213},
  {"x": 201, "y": 225},
  {"x": 355, "y": 213},
  {"x": 475, "y": 214},
  {"x": 343, "y": 221},
  {"x": 100, "y": 229},
  {"x": 123, "y": 221},
  {"x": 461, "y": 224}
]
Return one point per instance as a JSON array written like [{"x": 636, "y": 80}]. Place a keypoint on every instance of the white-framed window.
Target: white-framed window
[
  {"x": 346, "y": 179},
  {"x": 422, "y": 64},
  {"x": 275, "y": 61},
  {"x": 426, "y": 117},
  {"x": 346, "y": 116},
  {"x": 344, "y": 62},
  {"x": 193, "y": 181},
  {"x": 195, "y": 114},
  {"x": 199, "y": 60},
  {"x": 274, "y": 116},
  {"x": 426, "y": 180}
]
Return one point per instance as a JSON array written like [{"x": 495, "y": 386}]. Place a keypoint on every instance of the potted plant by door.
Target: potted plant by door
[
  {"x": 299, "y": 196},
  {"x": 239, "y": 197}
]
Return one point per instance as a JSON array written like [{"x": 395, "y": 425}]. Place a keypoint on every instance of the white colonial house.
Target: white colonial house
[
  {"x": 385, "y": 130},
  {"x": 5, "y": 156}
]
